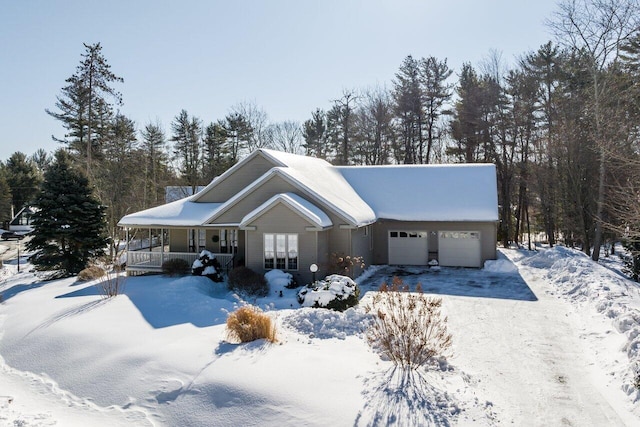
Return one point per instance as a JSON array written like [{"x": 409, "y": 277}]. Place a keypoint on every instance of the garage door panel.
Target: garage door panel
[
  {"x": 408, "y": 248},
  {"x": 459, "y": 249}
]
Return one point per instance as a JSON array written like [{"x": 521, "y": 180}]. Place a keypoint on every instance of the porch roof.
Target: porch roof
[{"x": 181, "y": 213}]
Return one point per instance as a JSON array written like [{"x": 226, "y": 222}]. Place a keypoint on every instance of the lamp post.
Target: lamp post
[
  {"x": 313, "y": 268},
  {"x": 18, "y": 255}
]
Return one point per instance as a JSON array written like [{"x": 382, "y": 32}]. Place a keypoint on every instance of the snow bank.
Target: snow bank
[
  {"x": 500, "y": 266},
  {"x": 324, "y": 324}
]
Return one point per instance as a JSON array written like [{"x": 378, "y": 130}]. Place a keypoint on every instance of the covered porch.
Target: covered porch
[{"x": 147, "y": 249}]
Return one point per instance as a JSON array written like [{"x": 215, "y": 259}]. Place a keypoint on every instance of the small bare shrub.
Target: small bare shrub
[
  {"x": 408, "y": 327},
  {"x": 342, "y": 264},
  {"x": 176, "y": 267},
  {"x": 113, "y": 283},
  {"x": 246, "y": 281},
  {"x": 249, "y": 323},
  {"x": 91, "y": 273}
]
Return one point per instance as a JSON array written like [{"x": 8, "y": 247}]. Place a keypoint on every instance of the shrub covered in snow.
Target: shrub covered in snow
[
  {"x": 335, "y": 292},
  {"x": 280, "y": 279},
  {"x": 408, "y": 328},
  {"x": 245, "y": 280},
  {"x": 207, "y": 265},
  {"x": 249, "y": 323},
  {"x": 176, "y": 267}
]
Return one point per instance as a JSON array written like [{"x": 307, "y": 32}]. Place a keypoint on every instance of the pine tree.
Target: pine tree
[
  {"x": 314, "y": 134},
  {"x": 23, "y": 179},
  {"x": 217, "y": 157},
  {"x": 187, "y": 136},
  {"x": 5, "y": 197},
  {"x": 69, "y": 224},
  {"x": 155, "y": 163},
  {"x": 83, "y": 107}
]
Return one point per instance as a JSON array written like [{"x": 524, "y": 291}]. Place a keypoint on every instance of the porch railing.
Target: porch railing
[{"x": 152, "y": 261}]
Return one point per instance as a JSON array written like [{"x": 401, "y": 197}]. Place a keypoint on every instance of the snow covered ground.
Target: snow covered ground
[{"x": 539, "y": 338}]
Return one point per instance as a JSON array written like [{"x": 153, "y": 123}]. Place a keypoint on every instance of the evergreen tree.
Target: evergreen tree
[
  {"x": 217, "y": 156},
  {"x": 187, "y": 138},
  {"x": 23, "y": 179},
  {"x": 155, "y": 163},
  {"x": 314, "y": 134},
  {"x": 69, "y": 224},
  {"x": 409, "y": 111},
  {"x": 239, "y": 131},
  {"x": 5, "y": 197},
  {"x": 83, "y": 107},
  {"x": 436, "y": 92}
]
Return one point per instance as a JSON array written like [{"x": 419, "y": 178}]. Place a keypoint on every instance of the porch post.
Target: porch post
[{"x": 161, "y": 246}]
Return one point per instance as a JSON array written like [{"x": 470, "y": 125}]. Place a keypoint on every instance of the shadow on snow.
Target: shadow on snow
[
  {"x": 469, "y": 282},
  {"x": 164, "y": 303}
]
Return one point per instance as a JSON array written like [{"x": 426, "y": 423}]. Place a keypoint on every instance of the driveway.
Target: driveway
[{"x": 520, "y": 347}]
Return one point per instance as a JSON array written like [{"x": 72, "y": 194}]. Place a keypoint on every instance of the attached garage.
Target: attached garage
[
  {"x": 408, "y": 248},
  {"x": 459, "y": 249}
]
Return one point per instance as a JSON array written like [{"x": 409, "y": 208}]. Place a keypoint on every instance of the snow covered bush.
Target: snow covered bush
[
  {"x": 335, "y": 292},
  {"x": 207, "y": 265},
  {"x": 249, "y": 323},
  {"x": 408, "y": 327},
  {"x": 246, "y": 281},
  {"x": 280, "y": 279},
  {"x": 176, "y": 267}
]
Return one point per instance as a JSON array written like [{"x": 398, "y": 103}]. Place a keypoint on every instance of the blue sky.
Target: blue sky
[{"x": 287, "y": 56}]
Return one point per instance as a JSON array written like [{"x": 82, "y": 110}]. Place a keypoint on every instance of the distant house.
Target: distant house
[{"x": 286, "y": 211}]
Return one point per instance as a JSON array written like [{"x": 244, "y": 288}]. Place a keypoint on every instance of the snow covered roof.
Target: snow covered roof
[
  {"x": 311, "y": 212},
  {"x": 183, "y": 213},
  {"x": 461, "y": 192},
  {"x": 360, "y": 195}
]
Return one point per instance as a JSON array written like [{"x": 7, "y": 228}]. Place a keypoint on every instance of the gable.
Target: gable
[
  {"x": 237, "y": 178},
  {"x": 281, "y": 209}
]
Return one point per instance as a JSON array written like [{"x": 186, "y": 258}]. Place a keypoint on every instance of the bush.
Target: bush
[
  {"x": 340, "y": 263},
  {"x": 408, "y": 328},
  {"x": 280, "y": 279},
  {"x": 113, "y": 283},
  {"x": 207, "y": 265},
  {"x": 176, "y": 267},
  {"x": 91, "y": 273},
  {"x": 335, "y": 292},
  {"x": 249, "y": 323},
  {"x": 245, "y": 280}
]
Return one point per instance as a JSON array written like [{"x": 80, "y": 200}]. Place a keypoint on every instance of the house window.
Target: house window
[
  {"x": 197, "y": 239},
  {"x": 228, "y": 241},
  {"x": 281, "y": 251}
]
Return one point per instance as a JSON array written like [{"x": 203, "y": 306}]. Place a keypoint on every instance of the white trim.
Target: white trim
[{"x": 302, "y": 207}]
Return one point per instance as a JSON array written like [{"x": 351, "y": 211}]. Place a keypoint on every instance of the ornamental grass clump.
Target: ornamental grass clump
[
  {"x": 408, "y": 327},
  {"x": 249, "y": 323}
]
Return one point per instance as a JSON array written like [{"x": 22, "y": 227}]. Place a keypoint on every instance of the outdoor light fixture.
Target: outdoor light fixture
[{"x": 313, "y": 268}]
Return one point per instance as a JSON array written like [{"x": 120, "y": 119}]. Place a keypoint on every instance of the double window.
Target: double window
[
  {"x": 280, "y": 251},
  {"x": 197, "y": 239},
  {"x": 228, "y": 241}
]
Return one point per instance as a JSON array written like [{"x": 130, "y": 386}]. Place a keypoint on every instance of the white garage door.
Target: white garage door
[
  {"x": 408, "y": 248},
  {"x": 459, "y": 249}
]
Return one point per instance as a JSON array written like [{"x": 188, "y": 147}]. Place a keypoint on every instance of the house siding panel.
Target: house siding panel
[
  {"x": 241, "y": 178},
  {"x": 381, "y": 232},
  {"x": 258, "y": 196},
  {"x": 361, "y": 247},
  {"x": 281, "y": 219},
  {"x": 178, "y": 240}
]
